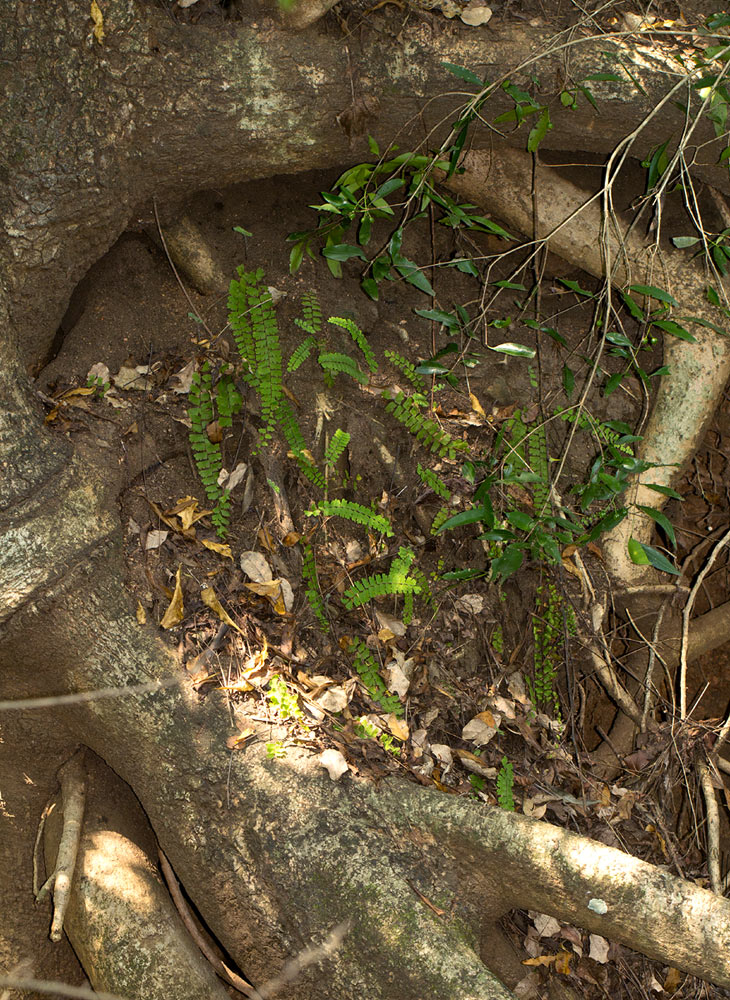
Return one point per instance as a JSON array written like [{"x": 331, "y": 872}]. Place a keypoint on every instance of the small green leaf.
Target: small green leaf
[
  {"x": 514, "y": 350},
  {"x": 370, "y": 287},
  {"x": 681, "y": 242},
  {"x": 446, "y": 319},
  {"x": 295, "y": 257},
  {"x": 646, "y": 555},
  {"x": 508, "y": 563},
  {"x": 655, "y": 293},
  {"x": 515, "y": 286},
  {"x": 242, "y": 231},
  {"x": 575, "y": 287},
  {"x": 413, "y": 275},
  {"x": 661, "y": 520},
  {"x": 612, "y": 383},
  {"x": 665, "y": 491},
  {"x": 519, "y": 519},
  {"x": 473, "y": 516},
  {"x": 568, "y": 380},
  {"x": 539, "y": 131},
  {"x": 675, "y": 330},
  {"x": 463, "y": 74},
  {"x": 343, "y": 251},
  {"x": 373, "y": 146}
]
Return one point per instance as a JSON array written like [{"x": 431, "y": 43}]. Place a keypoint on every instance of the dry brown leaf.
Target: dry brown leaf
[
  {"x": 187, "y": 510},
  {"x": 277, "y": 592},
  {"x": 398, "y": 727},
  {"x": 141, "y": 614},
  {"x": 256, "y": 567},
  {"x": 155, "y": 539},
  {"x": 562, "y": 962},
  {"x": 174, "y": 614},
  {"x": 673, "y": 980},
  {"x": 335, "y": 763},
  {"x": 267, "y": 540},
  {"x": 209, "y": 598},
  {"x": 477, "y": 406}
]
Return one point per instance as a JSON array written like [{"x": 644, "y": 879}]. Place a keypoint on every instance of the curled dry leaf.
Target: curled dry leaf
[
  {"x": 222, "y": 548},
  {"x": 333, "y": 699},
  {"x": 481, "y": 728},
  {"x": 334, "y": 762},
  {"x": 155, "y": 539},
  {"x": 237, "y": 475},
  {"x": 475, "y": 764},
  {"x": 389, "y": 622},
  {"x": 599, "y": 949},
  {"x": 174, "y": 614},
  {"x": 209, "y": 598},
  {"x": 141, "y": 614},
  {"x": 277, "y": 592},
  {"x": 132, "y": 378},
  {"x": 398, "y": 727}
]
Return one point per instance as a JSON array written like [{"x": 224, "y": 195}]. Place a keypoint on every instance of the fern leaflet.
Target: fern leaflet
[
  {"x": 301, "y": 353},
  {"x": 207, "y": 453},
  {"x": 427, "y": 431},
  {"x": 314, "y": 594},
  {"x": 429, "y": 478},
  {"x": 367, "y": 670},
  {"x": 407, "y": 369},
  {"x": 336, "y": 364},
  {"x": 338, "y": 443},
  {"x": 360, "y": 339},
  {"x": 292, "y": 433},
  {"x": 352, "y": 512}
]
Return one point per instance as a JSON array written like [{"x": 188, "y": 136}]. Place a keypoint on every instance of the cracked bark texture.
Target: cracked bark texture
[{"x": 273, "y": 854}]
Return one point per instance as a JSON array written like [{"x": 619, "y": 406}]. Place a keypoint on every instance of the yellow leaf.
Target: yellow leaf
[
  {"x": 674, "y": 978},
  {"x": 209, "y": 598},
  {"x": 174, "y": 614},
  {"x": 562, "y": 963},
  {"x": 187, "y": 510},
  {"x": 141, "y": 614},
  {"x": 398, "y": 727},
  {"x": 476, "y": 405},
  {"x": 219, "y": 547},
  {"x": 98, "y": 18}
]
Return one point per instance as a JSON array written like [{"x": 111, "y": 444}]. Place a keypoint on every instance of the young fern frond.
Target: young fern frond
[
  {"x": 206, "y": 453},
  {"x": 301, "y": 353},
  {"x": 397, "y": 581},
  {"x": 311, "y": 314},
  {"x": 367, "y": 670},
  {"x": 360, "y": 339},
  {"x": 335, "y": 364},
  {"x": 352, "y": 512},
  {"x": 256, "y": 333},
  {"x": 290, "y": 428},
  {"x": 312, "y": 591},
  {"x": 427, "y": 431},
  {"x": 407, "y": 369},
  {"x": 339, "y": 441},
  {"x": 505, "y": 784},
  {"x": 442, "y": 515},
  {"x": 429, "y": 478}
]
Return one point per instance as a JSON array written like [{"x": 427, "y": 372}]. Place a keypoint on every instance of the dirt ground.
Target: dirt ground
[{"x": 131, "y": 312}]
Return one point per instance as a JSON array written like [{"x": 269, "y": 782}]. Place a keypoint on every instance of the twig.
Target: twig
[
  {"x": 309, "y": 956},
  {"x": 52, "y": 701},
  {"x": 73, "y": 792},
  {"x": 221, "y": 969},
  {"x": 55, "y": 988},
  {"x": 47, "y": 809},
  {"x": 686, "y": 612},
  {"x": 713, "y": 829}
]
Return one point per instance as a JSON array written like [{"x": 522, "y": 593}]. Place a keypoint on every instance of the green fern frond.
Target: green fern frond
[
  {"x": 228, "y": 400},
  {"x": 290, "y": 428},
  {"x": 407, "y": 369},
  {"x": 434, "y": 482},
  {"x": 301, "y": 353},
  {"x": 368, "y": 730},
  {"x": 397, "y": 581},
  {"x": 336, "y": 364},
  {"x": 368, "y": 671},
  {"x": 360, "y": 339},
  {"x": 339, "y": 441},
  {"x": 312, "y": 314},
  {"x": 312, "y": 590},
  {"x": 441, "y": 517},
  {"x": 427, "y": 431},
  {"x": 207, "y": 454},
  {"x": 352, "y": 512},
  {"x": 256, "y": 333},
  {"x": 505, "y": 784}
]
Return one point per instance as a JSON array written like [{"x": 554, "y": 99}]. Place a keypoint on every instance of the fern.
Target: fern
[
  {"x": 312, "y": 314},
  {"x": 442, "y": 515},
  {"x": 360, "y": 339},
  {"x": 434, "y": 482},
  {"x": 228, "y": 400},
  {"x": 256, "y": 333},
  {"x": 505, "y": 784},
  {"x": 352, "y": 512},
  {"x": 397, "y": 581},
  {"x": 407, "y": 369},
  {"x": 366, "y": 729},
  {"x": 206, "y": 453},
  {"x": 312, "y": 591},
  {"x": 338, "y": 443},
  {"x": 301, "y": 353},
  {"x": 427, "y": 431},
  {"x": 336, "y": 364},
  {"x": 367, "y": 670},
  {"x": 292, "y": 433}
]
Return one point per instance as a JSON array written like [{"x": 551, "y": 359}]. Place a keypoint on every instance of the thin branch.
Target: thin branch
[
  {"x": 713, "y": 829},
  {"x": 73, "y": 791},
  {"x": 686, "y": 612},
  {"x": 53, "y": 701},
  {"x": 55, "y": 988}
]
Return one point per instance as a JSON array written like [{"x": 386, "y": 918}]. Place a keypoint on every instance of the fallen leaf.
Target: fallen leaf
[
  {"x": 672, "y": 981},
  {"x": 98, "y": 371},
  {"x": 475, "y": 404},
  {"x": 266, "y": 540},
  {"x": 132, "y": 378},
  {"x": 470, "y": 603},
  {"x": 184, "y": 378},
  {"x": 562, "y": 962},
  {"x": 222, "y": 548},
  {"x": 398, "y": 674},
  {"x": 599, "y": 949},
  {"x": 545, "y": 925},
  {"x": 174, "y": 614},
  {"x": 390, "y": 622},
  {"x": 443, "y": 754},
  {"x": 155, "y": 539},
  {"x": 277, "y": 592},
  {"x": 398, "y": 727},
  {"x": 334, "y": 762},
  {"x": 141, "y": 614},
  {"x": 256, "y": 568},
  {"x": 187, "y": 510},
  {"x": 98, "y": 18},
  {"x": 209, "y": 598},
  {"x": 475, "y": 764},
  {"x": 481, "y": 728}
]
